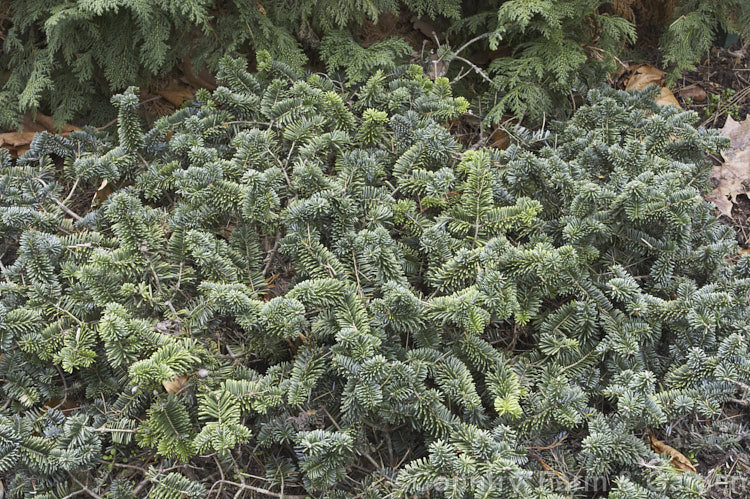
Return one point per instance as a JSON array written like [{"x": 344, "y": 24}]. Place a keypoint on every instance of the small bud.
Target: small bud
[
  {"x": 202, "y": 373},
  {"x": 134, "y": 389}
]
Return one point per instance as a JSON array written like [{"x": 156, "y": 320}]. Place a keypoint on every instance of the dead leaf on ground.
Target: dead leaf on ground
[
  {"x": 438, "y": 67},
  {"x": 176, "y": 384},
  {"x": 666, "y": 97},
  {"x": 679, "y": 461},
  {"x": 425, "y": 26},
  {"x": 499, "y": 139},
  {"x": 102, "y": 193},
  {"x": 732, "y": 178},
  {"x": 176, "y": 93},
  {"x": 644, "y": 75},
  {"x": 18, "y": 142},
  {"x": 738, "y": 132},
  {"x": 43, "y": 123},
  {"x": 694, "y": 92}
]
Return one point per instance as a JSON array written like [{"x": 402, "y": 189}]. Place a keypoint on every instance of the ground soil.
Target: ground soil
[{"x": 725, "y": 76}]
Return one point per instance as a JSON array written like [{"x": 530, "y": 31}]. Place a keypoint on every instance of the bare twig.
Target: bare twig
[
  {"x": 475, "y": 39},
  {"x": 114, "y": 430},
  {"x": 271, "y": 254},
  {"x": 84, "y": 489},
  {"x": 477, "y": 69},
  {"x": 258, "y": 490}
]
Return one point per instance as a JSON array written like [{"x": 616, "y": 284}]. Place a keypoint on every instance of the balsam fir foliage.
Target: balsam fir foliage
[{"x": 306, "y": 290}]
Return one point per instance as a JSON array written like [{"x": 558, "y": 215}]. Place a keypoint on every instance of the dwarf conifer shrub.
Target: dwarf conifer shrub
[{"x": 300, "y": 290}]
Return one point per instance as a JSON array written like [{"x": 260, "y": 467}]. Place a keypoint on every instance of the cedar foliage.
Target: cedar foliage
[
  {"x": 67, "y": 58},
  {"x": 695, "y": 26},
  {"x": 320, "y": 292}
]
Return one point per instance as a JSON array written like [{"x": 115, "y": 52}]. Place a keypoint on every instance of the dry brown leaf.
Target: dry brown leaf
[
  {"x": 16, "y": 139},
  {"x": 694, "y": 92},
  {"x": 722, "y": 202},
  {"x": 644, "y": 75},
  {"x": 738, "y": 132},
  {"x": 176, "y": 93},
  {"x": 438, "y": 67},
  {"x": 196, "y": 79},
  {"x": 28, "y": 124},
  {"x": 666, "y": 97},
  {"x": 102, "y": 193},
  {"x": 16, "y": 142},
  {"x": 679, "y": 461},
  {"x": 499, "y": 139},
  {"x": 425, "y": 26},
  {"x": 732, "y": 178},
  {"x": 176, "y": 384},
  {"x": 41, "y": 123}
]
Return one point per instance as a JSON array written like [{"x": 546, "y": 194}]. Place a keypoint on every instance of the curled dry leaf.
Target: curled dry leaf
[
  {"x": 644, "y": 75},
  {"x": 679, "y": 461},
  {"x": 694, "y": 92},
  {"x": 499, "y": 139},
  {"x": 732, "y": 178},
  {"x": 437, "y": 67},
  {"x": 102, "y": 193},
  {"x": 176, "y": 384},
  {"x": 176, "y": 93},
  {"x": 16, "y": 142}
]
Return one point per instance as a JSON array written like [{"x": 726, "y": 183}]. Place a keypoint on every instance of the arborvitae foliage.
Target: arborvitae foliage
[
  {"x": 695, "y": 26},
  {"x": 65, "y": 56},
  {"x": 558, "y": 46},
  {"x": 299, "y": 290}
]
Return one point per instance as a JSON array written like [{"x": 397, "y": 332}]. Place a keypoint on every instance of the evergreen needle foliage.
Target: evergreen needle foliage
[
  {"x": 67, "y": 57},
  {"x": 694, "y": 28},
  {"x": 310, "y": 290}
]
